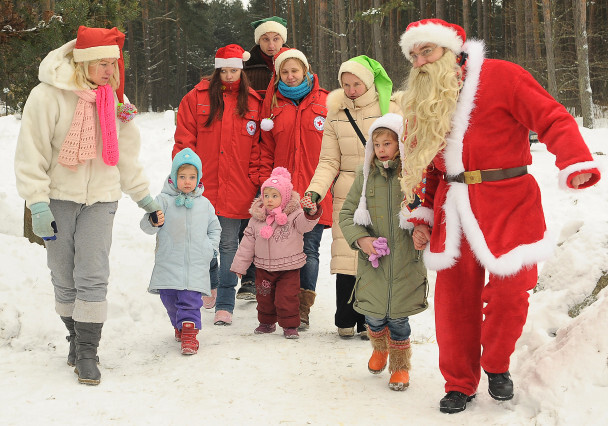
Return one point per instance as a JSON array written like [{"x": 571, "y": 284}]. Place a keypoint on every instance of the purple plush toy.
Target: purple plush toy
[{"x": 381, "y": 246}]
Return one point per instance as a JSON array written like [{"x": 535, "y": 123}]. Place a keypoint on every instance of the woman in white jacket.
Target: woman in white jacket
[{"x": 77, "y": 151}]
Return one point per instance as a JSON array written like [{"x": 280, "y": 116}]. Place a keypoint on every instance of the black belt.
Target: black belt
[{"x": 478, "y": 176}]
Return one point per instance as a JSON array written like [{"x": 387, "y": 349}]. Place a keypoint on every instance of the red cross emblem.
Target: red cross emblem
[
  {"x": 251, "y": 126},
  {"x": 319, "y": 122}
]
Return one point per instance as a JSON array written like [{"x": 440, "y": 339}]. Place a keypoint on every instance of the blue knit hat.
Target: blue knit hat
[{"x": 186, "y": 156}]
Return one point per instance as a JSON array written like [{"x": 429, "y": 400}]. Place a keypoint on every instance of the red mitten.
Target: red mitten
[{"x": 309, "y": 206}]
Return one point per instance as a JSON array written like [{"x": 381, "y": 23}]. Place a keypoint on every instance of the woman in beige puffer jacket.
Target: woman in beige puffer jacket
[{"x": 341, "y": 153}]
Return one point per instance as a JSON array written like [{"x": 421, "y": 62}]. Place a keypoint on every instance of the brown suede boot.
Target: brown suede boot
[
  {"x": 399, "y": 364},
  {"x": 379, "y": 340},
  {"x": 307, "y": 299}
]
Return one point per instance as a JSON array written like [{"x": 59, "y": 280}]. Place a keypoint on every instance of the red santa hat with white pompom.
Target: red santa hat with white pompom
[
  {"x": 437, "y": 31},
  {"x": 231, "y": 56}
]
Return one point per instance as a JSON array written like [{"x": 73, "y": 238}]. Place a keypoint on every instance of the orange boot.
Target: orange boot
[
  {"x": 189, "y": 342},
  {"x": 379, "y": 340},
  {"x": 400, "y": 355}
]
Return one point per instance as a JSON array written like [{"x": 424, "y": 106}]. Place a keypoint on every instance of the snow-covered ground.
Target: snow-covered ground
[{"x": 560, "y": 366}]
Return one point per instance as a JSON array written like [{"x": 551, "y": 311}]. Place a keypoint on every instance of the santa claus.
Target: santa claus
[{"x": 467, "y": 121}]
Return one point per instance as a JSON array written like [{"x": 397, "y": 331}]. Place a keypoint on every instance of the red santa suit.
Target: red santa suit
[{"x": 496, "y": 226}]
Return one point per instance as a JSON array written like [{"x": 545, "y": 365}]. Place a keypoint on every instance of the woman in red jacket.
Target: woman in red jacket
[
  {"x": 219, "y": 120},
  {"x": 291, "y": 138}
]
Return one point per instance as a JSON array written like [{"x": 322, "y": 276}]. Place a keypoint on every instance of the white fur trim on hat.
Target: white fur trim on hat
[
  {"x": 354, "y": 67},
  {"x": 288, "y": 54},
  {"x": 229, "y": 63},
  {"x": 390, "y": 121},
  {"x": 270, "y": 27},
  {"x": 95, "y": 53},
  {"x": 430, "y": 32}
]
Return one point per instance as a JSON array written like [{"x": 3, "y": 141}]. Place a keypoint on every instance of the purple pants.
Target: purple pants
[{"x": 182, "y": 305}]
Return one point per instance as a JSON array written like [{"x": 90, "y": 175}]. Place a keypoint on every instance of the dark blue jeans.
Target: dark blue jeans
[
  {"x": 182, "y": 305},
  {"x": 399, "y": 328},
  {"x": 310, "y": 272},
  {"x": 249, "y": 276}
]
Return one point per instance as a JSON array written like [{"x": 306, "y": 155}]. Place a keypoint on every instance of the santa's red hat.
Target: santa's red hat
[
  {"x": 99, "y": 43},
  {"x": 437, "y": 31},
  {"x": 231, "y": 56}
]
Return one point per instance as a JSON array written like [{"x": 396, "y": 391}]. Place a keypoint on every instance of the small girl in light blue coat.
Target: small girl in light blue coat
[{"x": 187, "y": 239}]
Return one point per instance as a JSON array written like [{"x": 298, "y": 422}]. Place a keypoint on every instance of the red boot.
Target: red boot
[
  {"x": 178, "y": 335},
  {"x": 379, "y": 340},
  {"x": 189, "y": 342}
]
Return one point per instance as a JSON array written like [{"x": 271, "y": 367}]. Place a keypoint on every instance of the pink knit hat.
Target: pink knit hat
[{"x": 280, "y": 179}]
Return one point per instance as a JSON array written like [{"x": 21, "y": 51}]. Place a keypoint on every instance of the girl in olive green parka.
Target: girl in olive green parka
[{"x": 397, "y": 288}]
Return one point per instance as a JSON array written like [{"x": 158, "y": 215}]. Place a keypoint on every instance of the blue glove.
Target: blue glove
[
  {"x": 148, "y": 204},
  {"x": 43, "y": 221}
]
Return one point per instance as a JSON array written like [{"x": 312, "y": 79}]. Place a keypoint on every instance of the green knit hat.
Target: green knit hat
[
  {"x": 370, "y": 72},
  {"x": 273, "y": 24}
]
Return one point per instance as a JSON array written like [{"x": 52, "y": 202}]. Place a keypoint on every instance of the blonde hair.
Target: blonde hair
[
  {"x": 376, "y": 134},
  {"x": 429, "y": 100},
  {"x": 278, "y": 78},
  {"x": 81, "y": 75}
]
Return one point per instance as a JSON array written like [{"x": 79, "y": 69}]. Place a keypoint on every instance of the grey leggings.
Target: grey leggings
[{"x": 79, "y": 258}]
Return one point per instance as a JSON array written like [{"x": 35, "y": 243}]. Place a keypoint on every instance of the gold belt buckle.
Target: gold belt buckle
[{"x": 472, "y": 177}]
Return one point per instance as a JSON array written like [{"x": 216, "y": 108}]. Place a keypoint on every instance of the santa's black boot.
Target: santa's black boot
[{"x": 500, "y": 386}]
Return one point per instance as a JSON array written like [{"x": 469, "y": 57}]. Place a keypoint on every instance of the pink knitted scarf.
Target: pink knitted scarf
[
  {"x": 275, "y": 214},
  {"x": 80, "y": 144}
]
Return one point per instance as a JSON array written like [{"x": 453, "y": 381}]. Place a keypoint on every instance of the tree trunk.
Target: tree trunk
[
  {"x": 486, "y": 20},
  {"x": 549, "y": 49},
  {"x": 528, "y": 37},
  {"x": 292, "y": 18},
  {"x": 377, "y": 35},
  {"x": 536, "y": 30},
  {"x": 466, "y": 16},
  {"x": 479, "y": 6},
  {"x": 582, "y": 56},
  {"x": 520, "y": 48},
  {"x": 147, "y": 89},
  {"x": 323, "y": 42},
  {"x": 440, "y": 9},
  {"x": 340, "y": 10}
]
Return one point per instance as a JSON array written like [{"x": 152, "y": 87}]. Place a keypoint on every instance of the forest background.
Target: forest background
[{"x": 170, "y": 44}]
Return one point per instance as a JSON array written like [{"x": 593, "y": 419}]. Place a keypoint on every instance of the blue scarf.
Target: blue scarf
[{"x": 298, "y": 92}]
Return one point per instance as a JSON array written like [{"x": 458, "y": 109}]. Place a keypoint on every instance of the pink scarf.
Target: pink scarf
[
  {"x": 80, "y": 144},
  {"x": 275, "y": 214}
]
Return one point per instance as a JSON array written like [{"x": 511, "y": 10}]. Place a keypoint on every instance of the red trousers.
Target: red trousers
[
  {"x": 277, "y": 296},
  {"x": 470, "y": 315}
]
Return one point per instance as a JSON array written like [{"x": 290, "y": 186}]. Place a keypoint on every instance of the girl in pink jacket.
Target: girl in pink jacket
[{"x": 274, "y": 241}]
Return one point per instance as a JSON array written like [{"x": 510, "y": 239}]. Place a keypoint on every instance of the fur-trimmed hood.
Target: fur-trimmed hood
[{"x": 258, "y": 211}]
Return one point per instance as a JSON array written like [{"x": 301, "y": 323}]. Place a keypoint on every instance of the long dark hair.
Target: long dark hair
[{"x": 217, "y": 101}]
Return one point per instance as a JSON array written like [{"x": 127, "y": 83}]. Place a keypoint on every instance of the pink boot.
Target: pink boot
[
  {"x": 209, "y": 301},
  {"x": 222, "y": 318}
]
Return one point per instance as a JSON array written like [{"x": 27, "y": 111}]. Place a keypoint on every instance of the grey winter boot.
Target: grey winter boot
[
  {"x": 69, "y": 324},
  {"x": 88, "y": 335}
]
